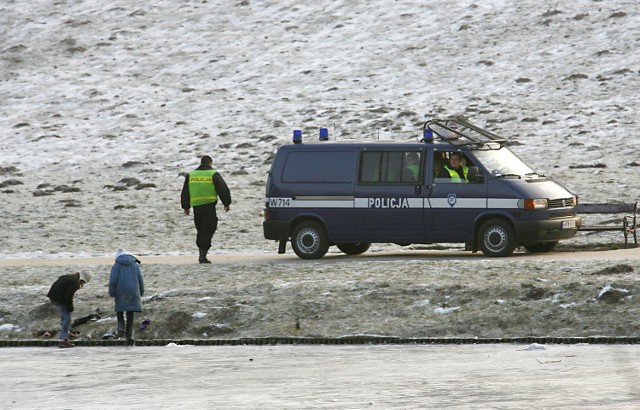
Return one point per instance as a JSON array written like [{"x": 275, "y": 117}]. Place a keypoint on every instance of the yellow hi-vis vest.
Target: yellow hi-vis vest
[
  {"x": 414, "y": 170},
  {"x": 201, "y": 188},
  {"x": 455, "y": 177}
]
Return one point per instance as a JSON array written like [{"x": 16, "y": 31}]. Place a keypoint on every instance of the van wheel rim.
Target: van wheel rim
[
  {"x": 308, "y": 241},
  {"x": 495, "y": 239}
]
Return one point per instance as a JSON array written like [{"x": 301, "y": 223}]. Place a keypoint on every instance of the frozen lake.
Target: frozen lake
[{"x": 337, "y": 377}]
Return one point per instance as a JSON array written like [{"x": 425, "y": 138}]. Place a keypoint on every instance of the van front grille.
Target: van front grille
[{"x": 560, "y": 203}]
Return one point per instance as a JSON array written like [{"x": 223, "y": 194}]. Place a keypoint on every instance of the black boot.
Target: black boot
[{"x": 203, "y": 256}]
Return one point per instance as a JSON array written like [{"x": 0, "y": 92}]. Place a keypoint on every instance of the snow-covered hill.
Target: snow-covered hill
[{"x": 93, "y": 94}]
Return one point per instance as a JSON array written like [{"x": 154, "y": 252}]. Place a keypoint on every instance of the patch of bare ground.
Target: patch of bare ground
[{"x": 403, "y": 297}]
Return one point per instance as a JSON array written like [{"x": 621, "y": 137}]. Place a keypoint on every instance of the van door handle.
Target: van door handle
[
  {"x": 418, "y": 190},
  {"x": 429, "y": 190}
]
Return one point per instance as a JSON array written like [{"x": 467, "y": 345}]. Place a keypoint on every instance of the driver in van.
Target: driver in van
[{"x": 455, "y": 170}]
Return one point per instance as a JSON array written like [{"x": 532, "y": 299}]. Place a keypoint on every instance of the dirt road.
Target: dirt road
[{"x": 620, "y": 254}]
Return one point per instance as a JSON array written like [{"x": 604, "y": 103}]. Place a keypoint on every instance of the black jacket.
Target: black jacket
[
  {"x": 222, "y": 190},
  {"x": 64, "y": 288}
]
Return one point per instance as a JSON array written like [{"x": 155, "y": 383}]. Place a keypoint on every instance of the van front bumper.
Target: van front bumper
[{"x": 551, "y": 230}]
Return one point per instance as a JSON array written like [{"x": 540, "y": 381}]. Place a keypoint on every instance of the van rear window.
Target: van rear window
[{"x": 319, "y": 167}]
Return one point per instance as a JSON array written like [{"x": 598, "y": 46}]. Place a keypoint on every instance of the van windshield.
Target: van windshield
[{"x": 503, "y": 162}]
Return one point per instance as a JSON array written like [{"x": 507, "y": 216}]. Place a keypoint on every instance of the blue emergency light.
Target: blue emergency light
[
  {"x": 297, "y": 136},
  {"x": 428, "y": 135},
  {"x": 324, "y": 134}
]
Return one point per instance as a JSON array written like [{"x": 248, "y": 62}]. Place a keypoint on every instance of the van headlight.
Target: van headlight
[{"x": 530, "y": 203}]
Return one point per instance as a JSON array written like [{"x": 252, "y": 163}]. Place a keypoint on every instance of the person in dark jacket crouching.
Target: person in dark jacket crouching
[
  {"x": 61, "y": 295},
  {"x": 127, "y": 286}
]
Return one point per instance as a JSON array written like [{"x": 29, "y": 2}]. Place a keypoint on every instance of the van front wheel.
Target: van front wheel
[
  {"x": 496, "y": 238},
  {"x": 354, "y": 248},
  {"x": 309, "y": 241}
]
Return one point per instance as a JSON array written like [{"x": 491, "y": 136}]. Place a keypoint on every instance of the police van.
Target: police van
[{"x": 458, "y": 184}]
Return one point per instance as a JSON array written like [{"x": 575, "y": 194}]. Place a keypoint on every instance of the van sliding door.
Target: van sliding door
[{"x": 389, "y": 196}]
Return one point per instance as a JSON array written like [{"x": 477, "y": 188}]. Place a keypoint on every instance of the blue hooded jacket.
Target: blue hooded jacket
[{"x": 126, "y": 284}]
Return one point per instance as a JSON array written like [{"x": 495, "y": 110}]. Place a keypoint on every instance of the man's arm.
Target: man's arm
[
  {"x": 444, "y": 174},
  {"x": 222, "y": 190},
  {"x": 185, "y": 199}
]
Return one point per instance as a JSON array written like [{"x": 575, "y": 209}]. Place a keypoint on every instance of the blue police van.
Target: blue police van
[{"x": 458, "y": 184}]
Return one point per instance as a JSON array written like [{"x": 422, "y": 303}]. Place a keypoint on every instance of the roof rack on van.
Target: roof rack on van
[{"x": 458, "y": 131}]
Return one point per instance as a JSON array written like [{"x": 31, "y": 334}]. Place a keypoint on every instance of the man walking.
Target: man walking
[{"x": 201, "y": 190}]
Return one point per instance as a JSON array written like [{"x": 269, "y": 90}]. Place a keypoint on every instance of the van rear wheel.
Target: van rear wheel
[
  {"x": 354, "y": 248},
  {"x": 309, "y": 240},
  {"x": 496, "y": 238}
]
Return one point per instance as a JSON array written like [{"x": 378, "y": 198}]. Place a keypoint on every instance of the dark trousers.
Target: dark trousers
[
  {"x": 128, "y": 328},
  {"x": 206, "y": 220},
  {"x": 65, "y": 319}
]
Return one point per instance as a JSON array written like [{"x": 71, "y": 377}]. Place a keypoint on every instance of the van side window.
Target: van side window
[
  {"x": 319, "y": 167},
  {"x": 390, "y": 167},
  {"x": 453, "y": 167}
]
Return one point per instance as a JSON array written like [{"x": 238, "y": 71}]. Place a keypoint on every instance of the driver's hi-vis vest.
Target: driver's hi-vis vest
[
  {"x": 455, "y": 177},
  {"x": 201, "y": 188}
]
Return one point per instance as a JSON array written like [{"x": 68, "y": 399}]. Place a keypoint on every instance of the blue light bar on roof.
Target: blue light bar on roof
[
  {"x": 324, "y": 134},
  {"x": 297, "y": 136}
]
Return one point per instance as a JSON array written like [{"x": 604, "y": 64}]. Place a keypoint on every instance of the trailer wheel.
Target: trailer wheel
[
  {"x": 309, "y": 240},
  {"x": 496, "y": 238},
  {"x": 354, "y": 248},
  {"x": 541, "y": 247}
]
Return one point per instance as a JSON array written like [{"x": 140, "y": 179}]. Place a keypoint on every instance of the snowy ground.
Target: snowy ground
[{"x": 103, "y": 106}]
